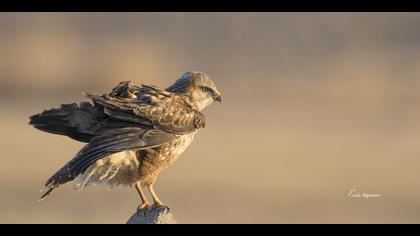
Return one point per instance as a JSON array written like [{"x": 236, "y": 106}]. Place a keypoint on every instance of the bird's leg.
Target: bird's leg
[
  {"x": 155, "y": 197},
  {"x": 144, "y": 201}
]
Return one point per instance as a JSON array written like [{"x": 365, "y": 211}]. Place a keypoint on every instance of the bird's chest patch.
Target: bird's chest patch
[
  {"x": 155, "y": 159},
  {"x": 172, "y": 150}
]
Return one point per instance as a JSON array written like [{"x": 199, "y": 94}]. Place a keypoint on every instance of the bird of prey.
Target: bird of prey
[{"x": 132, "y": 133}]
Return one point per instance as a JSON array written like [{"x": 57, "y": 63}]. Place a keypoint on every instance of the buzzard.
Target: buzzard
[{"x": 132, "y": 133}]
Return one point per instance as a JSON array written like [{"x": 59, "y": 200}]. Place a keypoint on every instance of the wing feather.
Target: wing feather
[
  {"x": 165, "y": 111},
  {"x": 108, "y": 141},
  {"x": 117, "y": 140}
]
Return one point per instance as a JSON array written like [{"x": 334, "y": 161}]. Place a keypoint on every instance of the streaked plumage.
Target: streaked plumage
[{"x": 133, "y": 132}]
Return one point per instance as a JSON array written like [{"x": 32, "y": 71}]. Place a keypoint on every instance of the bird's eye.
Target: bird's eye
[{"x": 205, "y": 89}]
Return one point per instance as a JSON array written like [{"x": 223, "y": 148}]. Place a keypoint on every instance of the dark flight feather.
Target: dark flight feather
[
  {"x": 76, "y": 121},
  {"x": 111, "y": 140}
]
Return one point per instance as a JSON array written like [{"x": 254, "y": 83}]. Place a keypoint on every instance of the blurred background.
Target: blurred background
[{"x": 315, "y": 105}]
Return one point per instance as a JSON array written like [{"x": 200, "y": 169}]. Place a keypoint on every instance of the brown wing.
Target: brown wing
[
  {"x": 163, "y": 110},
  {"x": 111, "y": 137}
]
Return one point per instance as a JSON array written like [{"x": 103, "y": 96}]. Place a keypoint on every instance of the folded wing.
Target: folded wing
[{"x": 163, "y": 110}]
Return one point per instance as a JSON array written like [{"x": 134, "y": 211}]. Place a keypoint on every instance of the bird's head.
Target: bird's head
[{"x": 198, "y": 88}]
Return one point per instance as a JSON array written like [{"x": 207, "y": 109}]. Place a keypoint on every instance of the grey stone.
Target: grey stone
[{"x": 152, "y": 215}]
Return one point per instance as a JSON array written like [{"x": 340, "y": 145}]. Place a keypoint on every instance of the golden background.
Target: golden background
[{"x": 315, "y": 104}]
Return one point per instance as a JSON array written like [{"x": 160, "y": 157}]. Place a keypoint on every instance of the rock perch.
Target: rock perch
[{"x": 153, "y": 215}]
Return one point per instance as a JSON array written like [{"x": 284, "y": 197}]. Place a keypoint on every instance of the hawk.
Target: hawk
[{"x": 132, "y": 133}]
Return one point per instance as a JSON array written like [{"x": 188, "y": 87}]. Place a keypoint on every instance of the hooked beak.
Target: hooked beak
[{"x": 217, "y": 97}]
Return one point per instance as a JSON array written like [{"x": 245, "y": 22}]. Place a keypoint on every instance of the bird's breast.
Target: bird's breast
[{"x": 173, "y": 149}]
